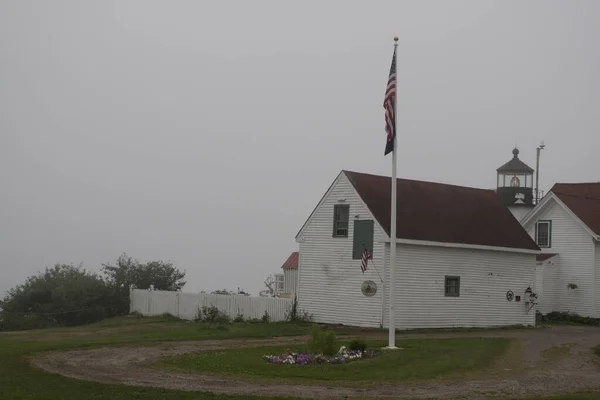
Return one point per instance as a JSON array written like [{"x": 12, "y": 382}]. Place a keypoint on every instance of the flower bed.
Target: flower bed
[{"x": 343, "y": 356}]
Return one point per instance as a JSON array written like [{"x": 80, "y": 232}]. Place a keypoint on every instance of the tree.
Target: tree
[
  {"x": 161, "y": 275},
  {"x": 63, "y": 295},
  {"x": 119, "y": 279},
  {"x": 129, "y": 273},
  {"x": 269, "y": 290},
  {"x": 229, "y": 292},
  {"x": 222, "y": 291}
]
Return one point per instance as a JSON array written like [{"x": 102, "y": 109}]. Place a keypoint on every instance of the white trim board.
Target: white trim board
[{"x": 463, "y": 246}]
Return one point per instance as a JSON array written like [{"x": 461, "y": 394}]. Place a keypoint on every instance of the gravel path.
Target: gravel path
[{"x": 568, "y": 368}]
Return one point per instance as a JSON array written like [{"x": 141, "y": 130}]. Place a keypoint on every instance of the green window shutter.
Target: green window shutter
[{"x": 363, "y": 233}]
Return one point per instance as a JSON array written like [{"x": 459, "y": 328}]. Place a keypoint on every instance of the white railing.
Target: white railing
[{"x": 186, "y": 305}]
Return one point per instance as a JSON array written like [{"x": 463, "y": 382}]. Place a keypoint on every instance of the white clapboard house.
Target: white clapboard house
[
  {"x": 462, "y": 260},
  {"x": 287, "y": 282},
  {"x": 566, "y": 226}
]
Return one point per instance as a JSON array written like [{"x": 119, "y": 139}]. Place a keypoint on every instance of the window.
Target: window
[
  {"x": 341, "y": 213},
  {"x": 543, "y": 233},
  {"x": 452, "y": 286},
  {"x": 279, "y": 283}
]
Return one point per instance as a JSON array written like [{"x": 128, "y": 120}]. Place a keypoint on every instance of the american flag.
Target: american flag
[
  {"x": 389, "y": 104},
  {"x": 365, "y": 259}
]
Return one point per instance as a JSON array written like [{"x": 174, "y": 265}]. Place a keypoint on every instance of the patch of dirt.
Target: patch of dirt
[{"x": 552, "y": 360}]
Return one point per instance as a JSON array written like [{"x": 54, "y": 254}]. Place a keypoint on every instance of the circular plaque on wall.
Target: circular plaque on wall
[
  {"x": 368, "y": 288},
  {"x": 510, "y": 295}
]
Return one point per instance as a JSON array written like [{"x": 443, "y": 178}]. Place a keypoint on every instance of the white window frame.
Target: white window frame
[
  {"x": 279, "y": 283},
  {"x": 547, "y": 244}
]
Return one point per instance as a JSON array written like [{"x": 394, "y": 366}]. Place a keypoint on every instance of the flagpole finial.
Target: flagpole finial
[{"x": 395, "y": 38}]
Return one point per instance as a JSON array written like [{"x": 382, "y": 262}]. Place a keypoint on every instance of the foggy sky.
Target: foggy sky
[{"x": 205, "y": 133}]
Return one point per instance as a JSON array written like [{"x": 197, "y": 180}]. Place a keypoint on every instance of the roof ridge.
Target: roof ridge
[
  {"x": 577, "y": 196},
  {"x": 420, "y": 181},
  {"x": 441, "y": 212},
  {"x": 577, "y": 183}
]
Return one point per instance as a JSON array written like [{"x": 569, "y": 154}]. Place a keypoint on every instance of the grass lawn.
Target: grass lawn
[
  {"x": 420, "y": 359},
  {"x": 20, "y": 381}
]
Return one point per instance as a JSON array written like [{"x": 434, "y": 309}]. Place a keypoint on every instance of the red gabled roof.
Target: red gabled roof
[
  {"x": 442, "y": 213},
  {"x": 545, "y": 256},
  {"x": 291, "y": 262},
  {"x": 583, "y": 199}
]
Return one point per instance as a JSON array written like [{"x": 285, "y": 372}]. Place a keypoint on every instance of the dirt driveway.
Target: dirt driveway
[{"x": 552, "y": 360}]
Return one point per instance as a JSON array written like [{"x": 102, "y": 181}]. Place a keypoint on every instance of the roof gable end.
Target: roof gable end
[
  {"x": 291, "y": 262},
  {"x": 336, "y": 180},
  {"x": 583, "y": 200},
  {"x": 548, "y": 200}
]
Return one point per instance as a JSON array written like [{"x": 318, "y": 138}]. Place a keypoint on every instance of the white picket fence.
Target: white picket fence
[{"x": 186, "y": 305}]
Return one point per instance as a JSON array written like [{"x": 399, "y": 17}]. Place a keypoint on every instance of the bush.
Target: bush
[
  {"x": 294, "y": 314},
  {"x": 329, "y": 348},
  {"x": 568, "y": 317},
  {"x": 212, "y": 314},
  {"x": 322, "y": 342},
  {"x": 239, "y": 319},
  {"x": 63, "y": 295},
  {"x": 357, "y": 345},
  {"x": 266, "y": 318}
]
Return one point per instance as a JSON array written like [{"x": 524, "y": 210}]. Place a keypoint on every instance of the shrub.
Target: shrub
[
  {"x": 266, "y": 318},
  {"x": 322, "y": 342},
  {"x": 357, "y": 345},
  {"x": 239, "y": 318},
  {"x": 294, "y": 314},
  {"x": 212, "y": 314},
  {"x": 64, "y": 295},
  {"x": 569, "y": 317},
  {"x": 329, "y": 348}
]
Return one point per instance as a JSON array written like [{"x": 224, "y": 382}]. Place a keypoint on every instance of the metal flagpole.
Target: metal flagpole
[{"x": 392, "y": 317}]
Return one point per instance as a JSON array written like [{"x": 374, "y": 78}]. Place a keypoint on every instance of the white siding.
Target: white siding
[
  {"x": 485, "y": 278},
  {"x": 597, "y": 271},
  {"x": 546, "y": 284},
  {"x": 519, "y": 212},
  {"x": 330, "y": 280},
  {"x": 576, "y": 250},
  {"x": 290, "y": 281}
]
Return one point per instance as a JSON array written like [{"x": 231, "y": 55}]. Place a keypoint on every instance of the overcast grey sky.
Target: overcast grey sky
[{"x": 205, "y": 132}]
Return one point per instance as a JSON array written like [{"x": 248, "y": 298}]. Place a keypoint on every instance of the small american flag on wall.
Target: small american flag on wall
[{"x": 364, "y": 261}]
